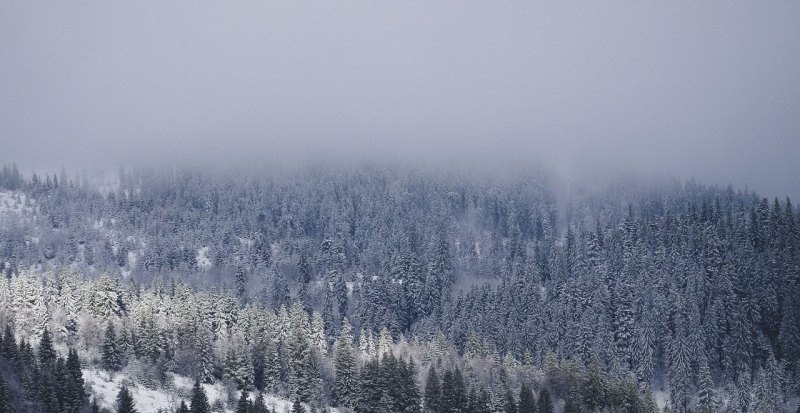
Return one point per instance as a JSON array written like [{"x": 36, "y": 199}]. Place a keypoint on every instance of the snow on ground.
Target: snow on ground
[
  {"x": 105, "y": 387},
  {"x": 660, "y": 397},
  {"x": 15, "y": 203},
  {"x": 203, "y": 261}
]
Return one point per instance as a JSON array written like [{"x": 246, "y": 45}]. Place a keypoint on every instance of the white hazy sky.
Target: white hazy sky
[{"x": 709, "y": 89}]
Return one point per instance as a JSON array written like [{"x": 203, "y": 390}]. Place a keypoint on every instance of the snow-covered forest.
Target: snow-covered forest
[{"x": 383, "y": 289}]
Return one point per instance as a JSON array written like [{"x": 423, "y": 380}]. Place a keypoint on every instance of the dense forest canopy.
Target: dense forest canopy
[{"x": 289, "y": 282}]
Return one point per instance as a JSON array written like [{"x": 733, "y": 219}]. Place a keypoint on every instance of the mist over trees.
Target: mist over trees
[{"x": 382, "y": 289}]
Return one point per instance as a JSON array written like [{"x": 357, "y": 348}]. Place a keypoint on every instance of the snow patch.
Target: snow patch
[
  {"x": 203, "y": 261},
  {"x": 105, "y": 387}
]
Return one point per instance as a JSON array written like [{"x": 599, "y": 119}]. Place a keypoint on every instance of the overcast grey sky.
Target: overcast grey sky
[{"x": 709, "y": 89}]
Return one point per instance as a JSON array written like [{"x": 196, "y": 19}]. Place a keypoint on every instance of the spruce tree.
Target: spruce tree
[
  {"x": 454, "y": 397},
  {"x": 527, "y": 403},
  {"x": 433, "y": 392},
  {"x": 10, "y": 349},
  {"x": 243, "y": 406},
  {"x": 183, "y": 408},
  {"x": 510, "y": 404},
  {"x": 125, "y": 401},
  {"x": 297, "y": 407},
  {"x": 259, "y": 405},
  {"x": 76, "y": 394},
  {"x": 111, "y": 356},
  {"x": 346, "y": 379},
  {"x": 47, "y": 354},
  {"x": 5, "y": 397},
  {"x": 199, "y": 402},
  {"x": 545, "y": 403}
]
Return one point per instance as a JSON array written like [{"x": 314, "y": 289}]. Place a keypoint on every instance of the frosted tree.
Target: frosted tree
[
  {"x": 384, "y": 343},
  {"x": 111, "y": 357},
  {"x": 106, "y": 299},
  {"x": 318, "y": 338},
  {"x": 346, "y": 374},
  {"x": 707, "y": 398},
  {"x": 237, "y": 366},
  {"x": 299, "y": 349}
]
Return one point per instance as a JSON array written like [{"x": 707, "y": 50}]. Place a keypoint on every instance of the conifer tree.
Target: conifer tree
[
  {"x": 47, "y": 354},
  {"x": 297, "y": 407},
  {"x": 243, "y": 405},
  {"x": 433, "y": 392},
  {"x": 510, "y": 404},
  {"x": 10, "y": 349},
  {"x": 527, "y": 402},
  {"x": 111, "y": 355},
  {"x": 706, "y": 398},
  {"x": 5, "y": 397},
  {"x": 125, "y": 401},
  {"x": 199, "y": 402},
  {"x": 183, "y": 408},
  {"x": 454, "y": 397},
  {"x": 545, "y": 404},
  {"x": 346, "y": 379},
  {"x": 77, "y": 393},
  {"x": 259, "y": 405}
]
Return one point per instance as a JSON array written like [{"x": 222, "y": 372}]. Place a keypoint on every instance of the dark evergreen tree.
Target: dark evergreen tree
[
  {"x": 527, "y": 402},
  {"x": 183, "y": 408},
  {"x": 259, "y": 405},
  {"x": 433, "y": 393},
  {"x": 510, "y": 405},
  {"x": 545, "y": 404},
  {"x": 5, "y": 397},
  {"x": 297, "y": 407},
  {"x": 111, "y": 358},
  {"x": 454, "y": 394},
  {"x": 371, "y": 391},
  {"x": 125, "y": 401},
  {"x": 243, "y": 405},
  {"x": 47, "y": 354},
  {"x": 346, "y": 378},
  {"x": 199, "y": 402},
  {"x": 74, "y": 392},
  {"x": 10, "y": 348}
]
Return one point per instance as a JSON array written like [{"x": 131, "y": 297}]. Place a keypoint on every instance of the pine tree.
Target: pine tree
[
  {"x": 183, "y": 408},
  {"x": 5, "y": 397},
  {"x": 241, "y": 284},
  {"x": 297, "y": 407},
  {"x": 125, "y": 401},
  {"x": 346, "y": 378},
  {"x": 454, "y": 397},
  {"x": 77, "y": 393},
  {"x": 596, "y": 390},
  {"x": 47, "y": 354},
  {"x": 111, "y": 355},
  {"x": 95, "y": 408},
  {"x": 433, "y": 393},
  {"x": 706, "y": 398},
  {"x": 243, "y": 406},
  {"x": 545, "y": 404},
  {"x": 259, "y": 405},
  {"x": 199, "y": 402},
  {"x": 10, "y": 349},
  {"x": 527, "y": 402},
  {"x": 510, "y": 404},
  {"x": 371, "y": 392}
]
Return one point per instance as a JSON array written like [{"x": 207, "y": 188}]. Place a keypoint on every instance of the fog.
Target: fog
[{"x": 687, "y": 89}]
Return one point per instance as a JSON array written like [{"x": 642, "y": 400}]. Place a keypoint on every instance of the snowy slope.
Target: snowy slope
[{"x": 105, "y": 387}]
